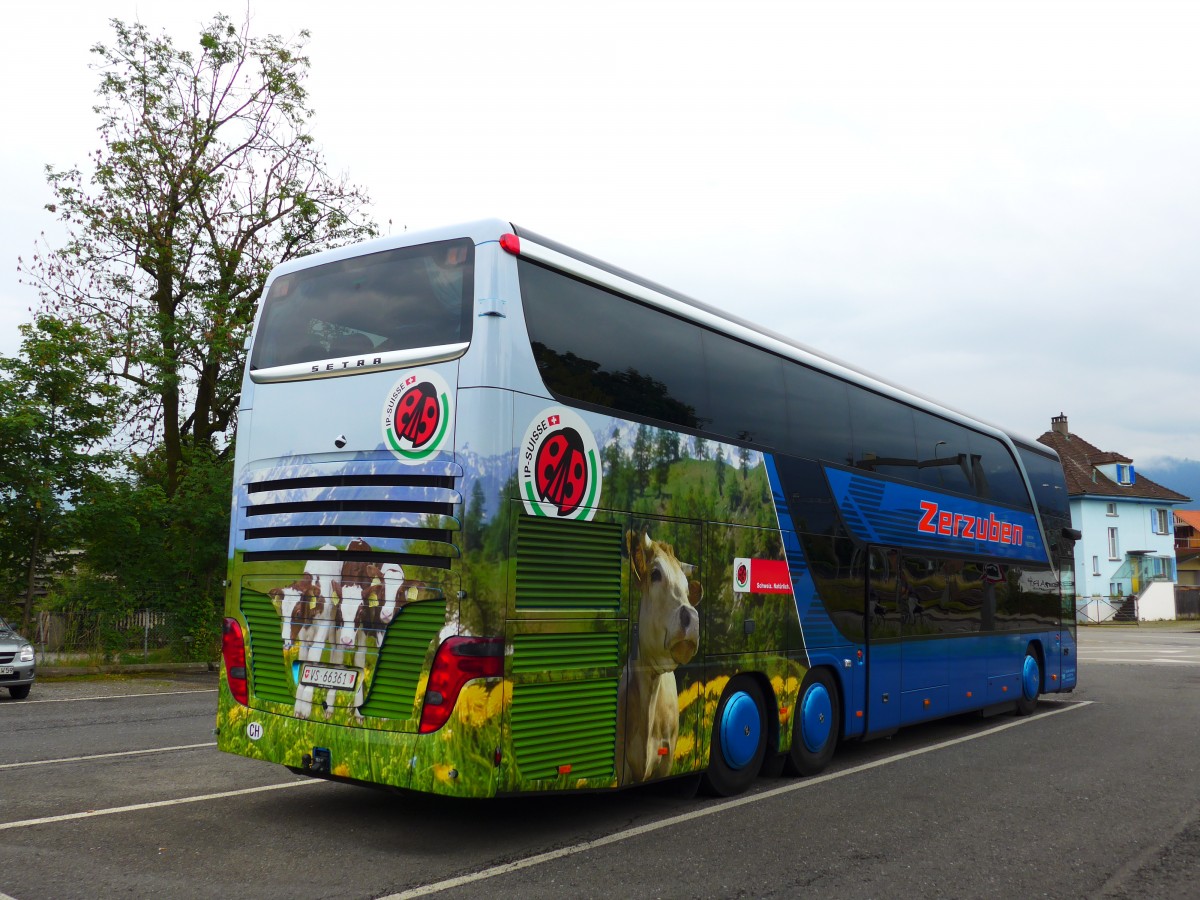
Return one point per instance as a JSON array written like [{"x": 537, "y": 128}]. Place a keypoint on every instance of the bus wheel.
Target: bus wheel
[
  {"x": 739, "y": 739},
  {"x": 816, "y": 724},
  {"x": 1031, "y": 683}
]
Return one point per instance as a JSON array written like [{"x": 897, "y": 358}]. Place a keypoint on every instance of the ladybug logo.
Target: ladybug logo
[
  {"x": 559, "y": 467},
  {"x": 416, "y": 416},
  {"x": 741, "y": 575},
  {"x": 560, "y": 470}
]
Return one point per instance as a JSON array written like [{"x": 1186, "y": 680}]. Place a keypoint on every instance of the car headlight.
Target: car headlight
[{"x": 26, "y": 653}]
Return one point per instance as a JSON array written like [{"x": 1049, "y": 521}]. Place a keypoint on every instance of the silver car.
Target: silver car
[{"x": 16, "y": 662}]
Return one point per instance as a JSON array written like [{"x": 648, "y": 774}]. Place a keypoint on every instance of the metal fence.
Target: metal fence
[
  {"x": 1101, "y": 610},
  {"x": 1187, "y": 601},
  {"x": 145, "y": 635}
]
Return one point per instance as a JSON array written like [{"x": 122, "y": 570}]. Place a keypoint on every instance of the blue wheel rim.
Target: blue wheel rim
[
  {"x": 1031, "y": 678},
  {"x": 816, "y": 718},
  {"x": 740, "y": 730}
]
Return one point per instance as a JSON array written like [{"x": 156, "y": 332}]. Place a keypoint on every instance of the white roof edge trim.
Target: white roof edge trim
[
  {"x": 358, "y": 365},
  {"x": 598, "y": 276}
]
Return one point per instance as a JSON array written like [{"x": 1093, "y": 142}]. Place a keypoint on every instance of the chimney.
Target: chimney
[{"x": 1058, "y": 425}]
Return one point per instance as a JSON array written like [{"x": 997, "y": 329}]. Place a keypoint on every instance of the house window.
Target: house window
[
  {"x": 1115, "y": 589},
  {"x": 1111, "y": 510},
  {"x": 1095, "y": 565},
  {"x": 1125, "y": 474},
  {"x": 1114, "y": 546},
  {"x": 1158, "y": 521}
]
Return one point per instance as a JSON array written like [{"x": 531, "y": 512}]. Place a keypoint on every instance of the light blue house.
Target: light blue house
[{"x": 1125, "y": 561}]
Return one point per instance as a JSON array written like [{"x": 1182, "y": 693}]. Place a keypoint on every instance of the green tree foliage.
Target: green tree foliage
[
  {"x": 147, "y": 549},
  {"x": 666, "y": 452},
  {"x": 473, "y": 520},
  {"x": 643, "y": 449},
  {"x": 55, "y": 409},
  {"x": 206, "y": 177}
]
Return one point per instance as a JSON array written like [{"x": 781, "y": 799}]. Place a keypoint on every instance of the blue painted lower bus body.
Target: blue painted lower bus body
[{"x": 890, "y": 685}]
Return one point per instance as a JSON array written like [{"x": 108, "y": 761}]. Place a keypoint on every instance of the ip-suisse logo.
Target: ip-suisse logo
[
  {"x": 560, "y": 473},
  {"x": 416, "y": 416}
]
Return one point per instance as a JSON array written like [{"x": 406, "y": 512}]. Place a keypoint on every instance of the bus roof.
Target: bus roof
[
  {"x": 590, "y": 268},
  {"x": 737, "y": 327}
]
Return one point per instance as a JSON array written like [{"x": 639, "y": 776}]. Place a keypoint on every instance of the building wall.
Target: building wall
[
  {"x": 1134, "y": 533},
  {"x": 1157, "y": 603}
]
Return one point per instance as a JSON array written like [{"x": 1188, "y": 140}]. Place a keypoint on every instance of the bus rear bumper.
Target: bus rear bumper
[{"x": 448, "y": 761}]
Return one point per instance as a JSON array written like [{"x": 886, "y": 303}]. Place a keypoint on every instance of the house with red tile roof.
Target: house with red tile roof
[
  {"x": 1126, "y": 556},
  {"x": 1187, "y": 547}
]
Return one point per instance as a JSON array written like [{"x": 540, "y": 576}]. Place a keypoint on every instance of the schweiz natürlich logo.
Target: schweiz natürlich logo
[
  {"x": 560, "y": 472},
  {"x": 416, "y": 416}
]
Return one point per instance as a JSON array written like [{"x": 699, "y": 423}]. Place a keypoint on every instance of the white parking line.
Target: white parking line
[
  {"x": 119, "y": 696},
  {"x": 550, "y": 856},
  {"x": 1138, "y": 648},
  {"x": 1155, "y": 661},
  {"x": 70, "y": 759},
  {"x": 91, "y": 813}
]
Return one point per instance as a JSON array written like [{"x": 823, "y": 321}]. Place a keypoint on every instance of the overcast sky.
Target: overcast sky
[{"x": 996, "y": 204}]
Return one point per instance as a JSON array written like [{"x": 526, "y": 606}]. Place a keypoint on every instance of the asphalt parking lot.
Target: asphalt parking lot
[{"x": 113, "y": 786}]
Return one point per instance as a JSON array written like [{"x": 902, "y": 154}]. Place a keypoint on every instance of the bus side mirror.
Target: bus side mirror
[{"x": 1072, "y": 534}]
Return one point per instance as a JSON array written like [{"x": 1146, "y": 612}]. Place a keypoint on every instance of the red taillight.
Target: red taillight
[
  {"x": 511, "y": 243},
  {"x": 233, "y": 652},
  {"x": 458, "y": 660}
]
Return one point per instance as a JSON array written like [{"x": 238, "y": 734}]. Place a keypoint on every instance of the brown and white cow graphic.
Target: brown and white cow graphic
[{"x": 668, "y": 636}]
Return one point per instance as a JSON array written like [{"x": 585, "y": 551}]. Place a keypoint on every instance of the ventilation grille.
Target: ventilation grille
[
  {"x": 565, "y": 728},
  {"x": 269, "y": 679},
  {"x": 402, "y": 660},
  {"x": 562, "y": 652},
  {"x": 404, "y": 516},
  {"x": 568, "y": 565}
]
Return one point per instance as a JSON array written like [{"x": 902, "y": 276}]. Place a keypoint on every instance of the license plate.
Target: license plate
[
  {"x": 7, "y": 670},
  {"x": 324, "y": 677}
]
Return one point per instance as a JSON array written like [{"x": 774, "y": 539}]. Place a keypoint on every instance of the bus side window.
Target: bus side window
[
  {"x": 944, "y": 452},
  {"x": 996, "y": 474},
  {"x": 885, "y": 439},
  {"x": 818, "y": 415},
  {"x": 746, "y": 400}
]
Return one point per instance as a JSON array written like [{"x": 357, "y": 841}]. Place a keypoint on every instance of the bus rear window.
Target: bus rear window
[{"x": 400, "y": 299}]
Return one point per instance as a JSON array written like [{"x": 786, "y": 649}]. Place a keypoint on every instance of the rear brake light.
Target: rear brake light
[
  {"x": 458, "y": 660},
  {"x": 233, "y": 652},
  {"x": 511, "y": 243}
]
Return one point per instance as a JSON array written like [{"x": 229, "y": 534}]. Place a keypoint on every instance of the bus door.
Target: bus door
[
  {"x": 883, "y": 627},
  {"x": 922, "y": 585}
]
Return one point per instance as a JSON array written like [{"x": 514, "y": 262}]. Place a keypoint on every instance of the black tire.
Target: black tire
[
  {"x": 816, "y": 724},
  {"x": 19, "y": 691},
  {"x": 1031, "y": 682},
  {"x": 735, "y": 760}
]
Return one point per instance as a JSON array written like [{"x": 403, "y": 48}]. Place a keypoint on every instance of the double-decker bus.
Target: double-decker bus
[{"x": 509, "y": 519}]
